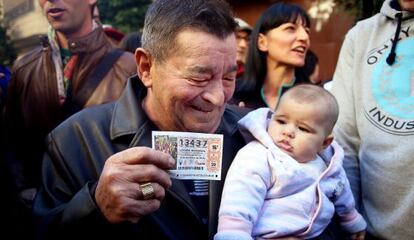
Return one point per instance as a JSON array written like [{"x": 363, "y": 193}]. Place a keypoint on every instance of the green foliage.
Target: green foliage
[
  {"x": 7, "y": 52},
  {"x": 125, "y": 15},
  {"x": 360, "y": 8}
]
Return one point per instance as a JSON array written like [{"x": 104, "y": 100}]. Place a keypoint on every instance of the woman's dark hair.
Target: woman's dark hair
[
  {"x": 303, "y": 73},
  {"x": 273, "y": 17},
  {"x": 311, "y": 60}
]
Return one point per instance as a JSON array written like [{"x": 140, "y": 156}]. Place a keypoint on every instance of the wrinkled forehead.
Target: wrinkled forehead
[
  {"x": 203, "y": 53},
  {"x": 193, "y": 43}
]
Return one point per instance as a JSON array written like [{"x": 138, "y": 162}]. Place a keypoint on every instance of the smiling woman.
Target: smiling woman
[{"x": 278, "y": 46}]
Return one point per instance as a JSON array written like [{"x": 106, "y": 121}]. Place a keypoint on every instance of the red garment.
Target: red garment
[
  {"x": 240, "y": 70},
  {"x": 67, "y": 74}
]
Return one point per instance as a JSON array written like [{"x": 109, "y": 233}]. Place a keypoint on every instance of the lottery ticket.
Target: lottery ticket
[{"x": 198, "y": 156}]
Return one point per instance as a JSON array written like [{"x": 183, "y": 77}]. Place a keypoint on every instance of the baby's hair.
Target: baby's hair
[{"x": 310, "y": 93}]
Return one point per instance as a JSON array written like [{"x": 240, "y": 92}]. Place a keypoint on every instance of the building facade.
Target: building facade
[{"x": 24, "y": 21}]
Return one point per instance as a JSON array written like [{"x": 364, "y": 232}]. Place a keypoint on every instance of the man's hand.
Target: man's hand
[{"x": 118, "y": 193}]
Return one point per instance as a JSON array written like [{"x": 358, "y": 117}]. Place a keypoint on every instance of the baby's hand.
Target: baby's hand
[{"x": 358, "y": 236}]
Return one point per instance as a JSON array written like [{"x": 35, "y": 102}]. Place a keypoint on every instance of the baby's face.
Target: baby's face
[{"x": 298, "y": 129}]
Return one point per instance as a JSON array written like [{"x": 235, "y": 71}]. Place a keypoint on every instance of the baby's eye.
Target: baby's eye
[
  {"x": 303, "y": 129},
  {"x": 280, "y": 121}
]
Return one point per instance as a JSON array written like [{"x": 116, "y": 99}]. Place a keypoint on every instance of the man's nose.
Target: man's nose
[
  {"x": 243, "y": 42},
  {"x": 214, "y": 92}
]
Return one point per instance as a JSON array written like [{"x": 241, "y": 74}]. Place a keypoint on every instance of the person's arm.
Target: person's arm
[
  {"x": 351, "y": 220},
  {"x": 64, "y": 206},
  {"x": 346, "y": 131},
  {"x": 243, "y": 195}
]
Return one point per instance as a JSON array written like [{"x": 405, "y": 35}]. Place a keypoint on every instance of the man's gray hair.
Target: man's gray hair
[{"x": 165, "y": 19}]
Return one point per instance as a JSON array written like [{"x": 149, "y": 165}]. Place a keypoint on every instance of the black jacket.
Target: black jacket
[{"x": 75, "y": 156}]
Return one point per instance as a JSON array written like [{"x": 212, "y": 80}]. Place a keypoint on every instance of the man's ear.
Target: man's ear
[
  {"x": 328, "y": 140},
  {"x": 144, "y": 64}
]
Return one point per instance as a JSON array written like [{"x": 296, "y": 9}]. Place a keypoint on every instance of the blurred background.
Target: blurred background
[{"x": 21, "y": 23}]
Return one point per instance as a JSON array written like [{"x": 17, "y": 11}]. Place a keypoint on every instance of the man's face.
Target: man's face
[
  {"x": 242, "y": 38},
  {"x": 70, "y": 17},
  {"x": 189, "y": 90},
  {"x": 407, "y": 5}
]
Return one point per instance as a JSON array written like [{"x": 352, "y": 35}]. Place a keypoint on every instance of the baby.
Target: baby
[{"x": 289, "y": 181}]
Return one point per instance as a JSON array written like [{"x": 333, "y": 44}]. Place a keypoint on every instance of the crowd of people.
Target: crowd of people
[{"x": 298, "y": 161}]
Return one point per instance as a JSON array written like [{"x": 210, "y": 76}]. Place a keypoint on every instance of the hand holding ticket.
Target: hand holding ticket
[{"x": 197, "y": 155}]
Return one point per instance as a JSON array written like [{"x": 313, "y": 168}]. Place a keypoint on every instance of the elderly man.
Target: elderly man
[
  {"x": 101, "y": 178},
  {"x": 242, "y": 37}
]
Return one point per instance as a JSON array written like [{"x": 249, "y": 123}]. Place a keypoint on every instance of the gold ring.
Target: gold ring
[{"x": 147, "y": 191}]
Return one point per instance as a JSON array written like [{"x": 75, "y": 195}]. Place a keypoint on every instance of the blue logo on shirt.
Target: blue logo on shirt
[
  {"x": 393, "y": 91},
  {"x": 393, "y": 86}
]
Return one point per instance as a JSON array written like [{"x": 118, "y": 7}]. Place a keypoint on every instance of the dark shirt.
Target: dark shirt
[{"x": 252, "y": 96}]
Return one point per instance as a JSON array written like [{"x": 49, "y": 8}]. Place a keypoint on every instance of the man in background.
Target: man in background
[
  {"x": 75, "y": 67},
  {"x": 242, "y": 37}
]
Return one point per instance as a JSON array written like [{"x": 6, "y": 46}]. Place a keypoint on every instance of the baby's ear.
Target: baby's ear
[{"x": 328, "y": 140}]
